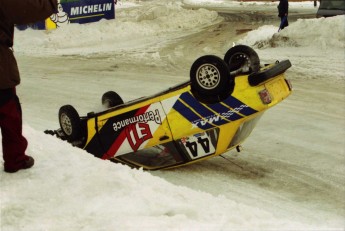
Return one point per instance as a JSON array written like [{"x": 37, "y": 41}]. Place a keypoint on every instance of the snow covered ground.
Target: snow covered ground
[{"x": 290, "y": 175}]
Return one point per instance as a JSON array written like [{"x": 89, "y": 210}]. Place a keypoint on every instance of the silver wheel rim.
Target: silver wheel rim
[
  {"x": 66, "y": 124},
  {"x": 208, "y": 76}
]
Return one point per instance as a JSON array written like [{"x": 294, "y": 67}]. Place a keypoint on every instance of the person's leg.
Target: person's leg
[
  {"x": 283, "y": 22},
  {"x": 286, "y": 22},
  {"x": 14, "y": 143}
]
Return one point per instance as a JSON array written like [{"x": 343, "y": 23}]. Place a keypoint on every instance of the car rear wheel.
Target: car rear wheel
[
  {"x": 70, "y": 122},
  {"x": 111, "y": 99},
  {"x": 242, "y": 59},
  {"x": 210, "y": 78}
]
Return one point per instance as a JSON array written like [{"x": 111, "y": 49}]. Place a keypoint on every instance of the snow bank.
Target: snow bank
[
  {"x": 133, "y": 28},
  {"x": 71, "y": 190},
  {"x": 322, "y": 33},
  {"x": 246, "y": 4},
  {"x": 303, "y": 42}
]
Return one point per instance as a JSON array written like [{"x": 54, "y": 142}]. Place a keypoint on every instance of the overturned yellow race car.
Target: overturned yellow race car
[{"x": 204, "y": 117}]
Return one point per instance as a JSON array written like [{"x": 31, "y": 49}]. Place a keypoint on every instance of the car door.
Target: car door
[{"x": 129, "y": 129}]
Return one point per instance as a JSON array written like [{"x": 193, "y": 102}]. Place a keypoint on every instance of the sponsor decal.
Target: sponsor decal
[
  {"x": 90, "y": 9},
  {"x": 216, "y": 118},
  {"x": 60, "y": 18},
  {"x": 198, "y": 145},
  {"x": 83, "y": 11},
  {"x": 137, "y": 128},
  {"x": 142, "y": 118},
  {"x": 137, "y": 134},
  {"x": 129, "y": 131},
  {"x": 76, "y": 11}
]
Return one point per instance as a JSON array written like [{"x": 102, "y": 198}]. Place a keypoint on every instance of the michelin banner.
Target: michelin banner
[{"x": 76, "y": 11}]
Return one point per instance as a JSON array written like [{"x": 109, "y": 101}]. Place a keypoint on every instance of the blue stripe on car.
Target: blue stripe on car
[
  {"x": 236, "y": 104},
  {"x": 190, "y": 115},
  {"x": 224, "y": 114}
]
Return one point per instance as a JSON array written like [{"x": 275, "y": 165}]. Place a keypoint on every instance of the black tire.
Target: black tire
[
  {"x": 242, "y": 59},
  {"x": 70, "y": 122},
  {"x": 111, "y": 99},
  {"x": 210, "y": 78}
]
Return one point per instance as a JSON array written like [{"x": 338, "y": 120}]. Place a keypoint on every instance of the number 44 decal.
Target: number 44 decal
[{"x": 198, "y": 145}]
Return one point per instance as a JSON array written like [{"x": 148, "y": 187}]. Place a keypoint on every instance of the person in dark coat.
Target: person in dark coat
[
  {"x": 14, "y": 143},
  {"x": 283, "y": 11}
]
